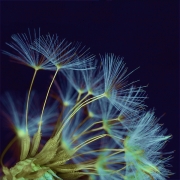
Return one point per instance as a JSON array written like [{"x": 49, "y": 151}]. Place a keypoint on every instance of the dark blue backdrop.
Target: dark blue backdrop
[{"x": 145, "y": 33}]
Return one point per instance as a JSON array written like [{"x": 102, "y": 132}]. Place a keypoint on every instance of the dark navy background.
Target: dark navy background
[{"x": 145, "y": 33}]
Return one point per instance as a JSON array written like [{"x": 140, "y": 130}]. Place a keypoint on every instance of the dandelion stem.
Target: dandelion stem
[
  {"x": 121, "y": 169},
  {"x": 96, "y": 97},
  {"x": 47, "y": 97},
  {"x": 6, "y": 149},
  {"x": 99, "y": 150},
  {"x": 29, "y": 98},
  {"x": 121, "y": 150},
  {"x": 88, "y": 173},
  {"x": 87, "y": 132},
  {"x": 85, "y": 119},
  {"x": 75, "y": 107},
  {"x": 94, "y": 139},
  {"x": 84, "y": 104},
  {"x": 80, "y": 101},
  {"x": 79, "y": 96},
  {"x": 91, "y": 125},
  {"x": 89, "y": 141},
  {"x": 77, "y": 104},
  {"x": 79, "y": 107},
  {"x": 58, "y": 124}
]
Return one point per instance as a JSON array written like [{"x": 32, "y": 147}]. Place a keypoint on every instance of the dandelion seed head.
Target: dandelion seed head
[{"x": 96, "y": 122}]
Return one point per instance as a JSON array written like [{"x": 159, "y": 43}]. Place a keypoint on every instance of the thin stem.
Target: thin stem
[
  {"x": 77, "y": 104},
  {"x": 103, "y": 94},
  {"x": 47, "y": 97},
  {"x": 96, "y": 129},
  {"x": 89, "y": 141},
  {"x": 93, "y": 173},
  {"x": 90, "y": 152},
  {"x": 27, "y": 105},
  {"x": 88, "y": 101},
  {"x": 75, "y": 107},
  {"x": 115, "y": 153},
  {"x": 58, "y": 124},
  {"x": 79, "y": 107},
  {"x": 86, "y": 132},
  {"x": 86, "y": 118},
  {"x": 94, "y": 139},
  {"x": 6, "y": 149},
  {"x": 79, "y": 96},
  {"x": 80, "y": 101},
  {"x": 85, "y": 103}
]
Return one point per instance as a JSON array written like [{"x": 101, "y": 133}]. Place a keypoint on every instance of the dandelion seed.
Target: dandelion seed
[
  {"x": 25, "y": 54},
  {"x": 14, "y": 111},
  {"x": 62, "y": 54},
  {"x": 122, "y": 95},
  {"x": 142, "y": 149}
]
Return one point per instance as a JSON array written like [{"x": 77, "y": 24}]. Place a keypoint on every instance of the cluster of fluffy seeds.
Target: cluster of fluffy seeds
[{"x": 96, "y": 122}]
